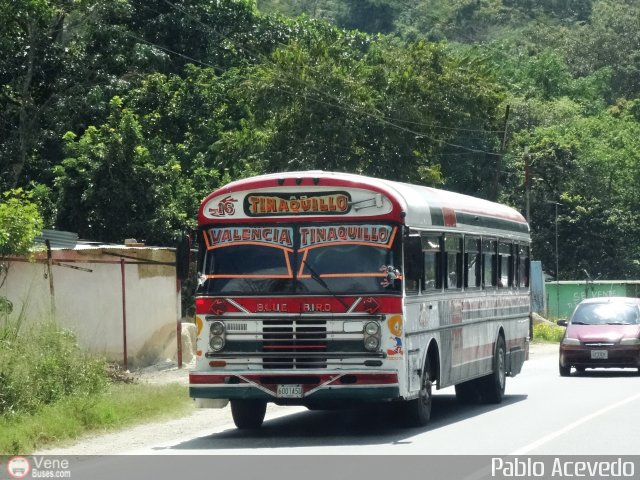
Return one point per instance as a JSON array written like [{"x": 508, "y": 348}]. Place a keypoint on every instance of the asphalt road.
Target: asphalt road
[{"x": 597, "y": 412}]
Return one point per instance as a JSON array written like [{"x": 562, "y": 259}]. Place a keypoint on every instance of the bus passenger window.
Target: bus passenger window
[
  {"x": 412, "y": 264},
  {"x": 432, "y": 255},
  {"x": 453, "y": 261},
  {"x": 489, "y": 263},
  {"x": 505, "y": 265},
  {"x": 523, "y": 266},
  {"x": 472, "y": 262}
]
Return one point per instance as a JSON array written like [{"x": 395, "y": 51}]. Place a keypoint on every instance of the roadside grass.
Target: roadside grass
[
  {"x": 119, "y": 406},
  {"x": 51, "y": 391},
  {"x": 547, "y": 333}
]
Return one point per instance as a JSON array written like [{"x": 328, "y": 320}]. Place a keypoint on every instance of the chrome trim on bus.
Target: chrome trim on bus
[{"x": 320, "y": 355}]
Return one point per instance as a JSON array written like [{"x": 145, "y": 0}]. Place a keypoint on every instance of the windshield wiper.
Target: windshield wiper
[{"x": 318, "y": 279}]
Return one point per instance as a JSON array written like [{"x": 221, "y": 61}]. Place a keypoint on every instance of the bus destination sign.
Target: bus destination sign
[{"x": 274, "y": 204}]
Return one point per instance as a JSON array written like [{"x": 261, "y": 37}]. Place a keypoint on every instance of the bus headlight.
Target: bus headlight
[
  {"x": 371, "y": 343},
  {"x": 216, "y": 328},
  {"x": 216, "y": 343},
  {"x": 371, "y": 328}
]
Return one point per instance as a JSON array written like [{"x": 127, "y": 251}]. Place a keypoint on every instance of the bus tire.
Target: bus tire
[
  {"x": 495, "y": 383},
  {"x": 418, "y": 411},
  {"x": 248, "y": 414}
]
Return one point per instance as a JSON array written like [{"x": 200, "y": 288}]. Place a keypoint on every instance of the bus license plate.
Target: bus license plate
[
  {"x": 599, "y": 354},
  {"x": 289, "y": 391}
]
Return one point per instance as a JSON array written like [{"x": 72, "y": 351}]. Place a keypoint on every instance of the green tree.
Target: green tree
[
  {"x": 381, "y": 108},
  {"x": 20, "y": 223},
  {"x": 589, "y": 166},
  {"x": 145, "y": 170},
  {"x": 610, "y": 39}
]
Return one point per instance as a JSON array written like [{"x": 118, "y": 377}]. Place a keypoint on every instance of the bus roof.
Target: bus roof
[{"x": 368, "y": 198}]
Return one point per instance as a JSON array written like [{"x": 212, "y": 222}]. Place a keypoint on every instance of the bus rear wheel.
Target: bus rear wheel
[
  {"x": 494, "y": 384},
  {"x": 418, "y": 411},
  {"x": 248, "y": 414}
]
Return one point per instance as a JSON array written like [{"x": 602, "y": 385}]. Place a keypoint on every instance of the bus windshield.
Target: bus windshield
[{"x": 301, "y": 259}]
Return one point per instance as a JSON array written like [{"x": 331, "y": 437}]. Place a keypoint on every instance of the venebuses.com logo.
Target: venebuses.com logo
[
  {"x": 18, "y": 467},
  {"x": 38, "y": 467}
]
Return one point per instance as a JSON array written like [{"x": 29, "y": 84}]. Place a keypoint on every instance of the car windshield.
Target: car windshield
[
  {"x": 605, "y": 314},
  {"x": 301, "y": 259}
]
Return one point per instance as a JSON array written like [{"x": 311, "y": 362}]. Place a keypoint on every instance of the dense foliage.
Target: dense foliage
[
  {"x": 121, "y": 115},
  {"x": 20, "y": 223}
]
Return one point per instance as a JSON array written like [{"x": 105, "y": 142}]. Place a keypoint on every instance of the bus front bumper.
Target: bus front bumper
[{"x": 295, "y": 388}]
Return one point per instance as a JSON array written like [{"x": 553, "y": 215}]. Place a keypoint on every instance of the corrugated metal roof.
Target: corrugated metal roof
[{"x": 58, "y": 238}]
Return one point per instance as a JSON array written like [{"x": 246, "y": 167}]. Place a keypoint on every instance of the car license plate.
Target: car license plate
[
  {"x": 599, "y": 354},
  {"x": 289, "y": 391}
]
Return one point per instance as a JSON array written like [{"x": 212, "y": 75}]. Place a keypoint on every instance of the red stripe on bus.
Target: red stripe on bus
[
  {"x": 295, "y": 305},
  {"x": 196, "y": 379}
]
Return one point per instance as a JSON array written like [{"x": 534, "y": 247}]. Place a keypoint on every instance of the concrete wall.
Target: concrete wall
[
  {"x": 562, "y": 297},
  {"x": 90, "y": 303}
]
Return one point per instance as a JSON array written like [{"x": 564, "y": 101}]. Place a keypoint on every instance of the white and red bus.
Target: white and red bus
[{"x": 329, "y": 289}]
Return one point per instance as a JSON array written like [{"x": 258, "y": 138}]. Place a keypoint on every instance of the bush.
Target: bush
[
  {"x": 548, "y": 332},
  {"x": 43, "y": 365}
]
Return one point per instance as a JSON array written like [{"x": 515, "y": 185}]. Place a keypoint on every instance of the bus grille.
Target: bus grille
[{"x": 295, "y": 340}]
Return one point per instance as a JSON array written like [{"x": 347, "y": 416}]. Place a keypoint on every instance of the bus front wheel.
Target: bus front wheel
[
  {"x": 248, "y": 414},
  {"x": 418, "y": 411}
]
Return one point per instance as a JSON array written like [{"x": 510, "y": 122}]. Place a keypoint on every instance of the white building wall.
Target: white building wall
[{"x": 90, "y": 303}]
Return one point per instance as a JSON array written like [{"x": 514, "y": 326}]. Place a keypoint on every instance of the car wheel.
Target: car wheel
[
  {"x": 248, "y": 414},
  {"x": 564, "y": 371},
  {"x": 493, "y": 385},
  {"x": 418, "y": 411}
]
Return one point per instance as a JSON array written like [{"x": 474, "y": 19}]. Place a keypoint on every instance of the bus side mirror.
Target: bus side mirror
[{"x": 183, "y": 257}]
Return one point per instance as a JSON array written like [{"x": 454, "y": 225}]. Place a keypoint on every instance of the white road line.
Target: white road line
[{"x": 571, "y": 426}]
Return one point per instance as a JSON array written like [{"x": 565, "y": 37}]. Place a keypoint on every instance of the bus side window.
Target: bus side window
[
  {"x": 489, "y": 263},
  {"x": 453, "y": 261},
  {"x": 505, "y": 265},
  {"x": 523, "y": 266},
  {"x": 413, "y": 265},
  {"x": 472, "y": 262},
  {"x": 432, "y": 255}
]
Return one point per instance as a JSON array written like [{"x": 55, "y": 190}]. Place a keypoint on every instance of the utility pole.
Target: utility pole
[
  {"x": 527, "y": 183},
  {"x": 503, "y": 145},
  {"x": 557, "y": 260}
]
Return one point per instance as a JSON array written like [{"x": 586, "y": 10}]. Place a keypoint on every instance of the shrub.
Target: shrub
[
  {"x": 547, "y": 332},
  {"x": 43, "y": 364}
]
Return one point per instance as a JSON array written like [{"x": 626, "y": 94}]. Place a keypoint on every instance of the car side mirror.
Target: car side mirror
[{"x": 562, "y": 323}]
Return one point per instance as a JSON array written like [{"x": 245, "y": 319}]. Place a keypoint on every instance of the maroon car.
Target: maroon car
[{"x": 601, "y": 333}]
